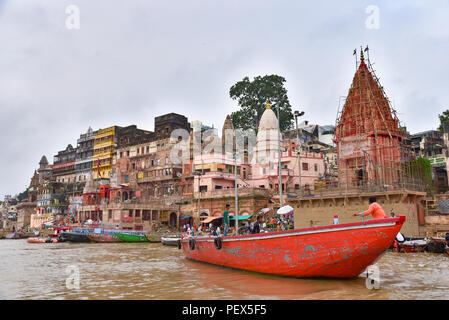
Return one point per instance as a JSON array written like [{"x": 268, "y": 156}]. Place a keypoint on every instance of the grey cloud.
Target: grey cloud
[{"x": 134, "y": 60}]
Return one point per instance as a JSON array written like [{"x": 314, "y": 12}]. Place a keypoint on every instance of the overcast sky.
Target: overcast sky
[{"x": 133, "y": 60}]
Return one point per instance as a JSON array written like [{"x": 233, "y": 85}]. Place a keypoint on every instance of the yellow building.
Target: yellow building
[{"x": 104, "y": 149}]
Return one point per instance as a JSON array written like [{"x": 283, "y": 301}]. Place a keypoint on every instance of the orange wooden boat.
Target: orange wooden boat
[
  {"x": 42, "y": 240},
  {"x": 336, "y": 251}
]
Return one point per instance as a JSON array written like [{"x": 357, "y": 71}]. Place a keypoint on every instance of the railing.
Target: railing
[
  {"x": 154, "y": 200},
  {"x": 242, "y": 192},
  {"x": 339, "y": 189}
]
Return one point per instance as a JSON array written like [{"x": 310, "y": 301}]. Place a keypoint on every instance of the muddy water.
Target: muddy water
[{"x": 153, "y": 271}]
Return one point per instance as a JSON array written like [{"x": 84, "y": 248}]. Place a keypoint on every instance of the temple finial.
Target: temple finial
[
  {"x": 268, "y": 104},
  {"x": 362, "y": 57}
]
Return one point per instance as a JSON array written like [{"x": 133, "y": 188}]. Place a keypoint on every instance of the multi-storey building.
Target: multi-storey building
[
  {"x": 104, "y": 149},
  {"x": 64, "y": 165},
  {"x": 84, "y": 155},
  {"x": 146, "y": 186}
]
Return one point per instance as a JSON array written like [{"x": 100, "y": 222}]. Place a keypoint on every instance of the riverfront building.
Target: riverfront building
[
  {"x": 63, "y": 169},
  {"x": 84, "y": 155}
]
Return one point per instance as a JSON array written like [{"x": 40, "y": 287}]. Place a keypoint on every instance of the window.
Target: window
[
  {"x": 264, "y": 170},
  {"x": 152, "y": 163},
  {"x": 166, "y": 160},
  {"x": 127, "y": 153},
  {"x": 121, "y": 154},
  {"x": 305, "y": 166},
  {"x": 148, "y": 149},
  {"x": 158, "y": 162},
  {"x": 316, "y": 167},
  {"x": 134, "y": 166}
]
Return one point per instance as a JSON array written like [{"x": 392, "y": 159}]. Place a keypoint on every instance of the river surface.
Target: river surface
[{"x": 154, "y": 271}]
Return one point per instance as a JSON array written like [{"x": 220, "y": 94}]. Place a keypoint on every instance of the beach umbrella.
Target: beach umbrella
[
  {"x": 265, "y": 210},
  {"x": 285, "y": 210}
]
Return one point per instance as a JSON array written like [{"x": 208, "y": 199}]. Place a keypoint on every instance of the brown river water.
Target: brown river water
[{"x": 154, "y": 271}]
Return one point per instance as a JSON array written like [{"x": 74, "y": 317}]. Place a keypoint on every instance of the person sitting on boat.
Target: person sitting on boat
[{"x": 374, "y": 209}]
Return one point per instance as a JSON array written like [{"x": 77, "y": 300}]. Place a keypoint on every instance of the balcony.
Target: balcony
[{"x": 230, "y": 193}]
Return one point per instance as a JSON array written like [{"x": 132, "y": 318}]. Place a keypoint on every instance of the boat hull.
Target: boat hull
[
  {"x": 103, "y": 238},
  {"x": 338, "y": 251},
  {"x": 125, "y": 237},
  {"x": 42, "y": 240},
  {"x": 170, "y": 241},
  {"x": 75, "y": 236},
  {"x": 153, "y": 238}
]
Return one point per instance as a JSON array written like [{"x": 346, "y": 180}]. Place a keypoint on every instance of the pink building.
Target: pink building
[{"x": 259, "y": 167}]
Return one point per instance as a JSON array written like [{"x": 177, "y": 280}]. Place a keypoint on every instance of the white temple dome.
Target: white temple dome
[{"x": 268, "y": 120}]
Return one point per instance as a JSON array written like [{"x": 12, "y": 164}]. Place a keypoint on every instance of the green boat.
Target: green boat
[{"x": 126, "y": 237}]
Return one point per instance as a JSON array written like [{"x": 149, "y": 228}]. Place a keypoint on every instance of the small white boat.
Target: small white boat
[{"x": 170, "y": 241}]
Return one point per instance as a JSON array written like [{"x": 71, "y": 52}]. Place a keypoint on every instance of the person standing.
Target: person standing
[
  {"x": 336, "y": 220},
  {"x": 226, "y": 219},
  {"x": 374, "y": 209}
]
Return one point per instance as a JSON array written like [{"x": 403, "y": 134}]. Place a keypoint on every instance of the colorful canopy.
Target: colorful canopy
[
  {"x": 242, "y": 217},
  {"x": 210, "y": 219}
]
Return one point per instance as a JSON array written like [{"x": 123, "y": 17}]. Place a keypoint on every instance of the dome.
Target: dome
[
  {"x": 268, "y": 120},
  {"x": 267, "y": 136},
  {"x": 43, "y": 161}
]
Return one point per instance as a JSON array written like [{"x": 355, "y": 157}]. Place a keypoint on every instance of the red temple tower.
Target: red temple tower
[{"x": 367, "y": 135}]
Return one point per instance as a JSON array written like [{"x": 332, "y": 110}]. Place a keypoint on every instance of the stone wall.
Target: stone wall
[{"x": 319, "y": 211}]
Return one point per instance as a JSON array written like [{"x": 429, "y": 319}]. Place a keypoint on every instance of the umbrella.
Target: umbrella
[{"x": 285, "y": 210}]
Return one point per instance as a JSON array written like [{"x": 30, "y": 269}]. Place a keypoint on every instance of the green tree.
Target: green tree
[
  {"x": 23, "y": 195},
  {"x": 443, "y": 118},
  {"x": 252, "y": 97}
]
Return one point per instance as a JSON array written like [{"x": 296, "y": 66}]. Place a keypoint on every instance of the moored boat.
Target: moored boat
[
  {"x": 42, "y": 240},
  {"x": 436, "y": 245},
  {"x": 413, "y": 246},
  {"x": 153, "y": 238},
  {"x": 75, "y": 236},
  {"x": 13, "y": 235},
  {"x": 336, "y": 251},
  {"x": 103, "y": 237},
  {"x": 170, "y": 241},
  {"x": 129, "y": 237}
]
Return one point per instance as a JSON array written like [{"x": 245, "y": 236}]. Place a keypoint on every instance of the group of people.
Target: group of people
[{"x": 269, "y": 224}]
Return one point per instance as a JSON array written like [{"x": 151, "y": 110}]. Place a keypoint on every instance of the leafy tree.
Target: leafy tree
[
  {"x": 252, "y": 97},
  {"x": 443, "y": 118},
  {"x": 23, "y": 195}
]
